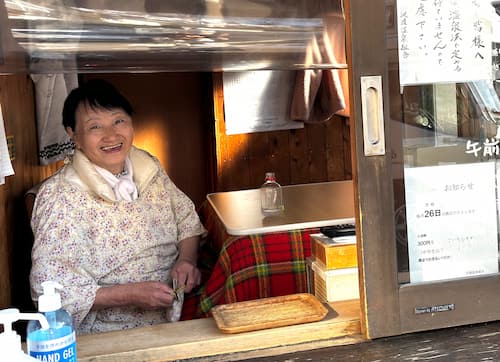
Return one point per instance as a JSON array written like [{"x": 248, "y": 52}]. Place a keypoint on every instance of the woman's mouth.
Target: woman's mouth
[{"x": 112, "y": 148}]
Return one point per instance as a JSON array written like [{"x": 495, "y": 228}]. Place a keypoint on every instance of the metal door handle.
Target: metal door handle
[{"x": 373, "y": 115}]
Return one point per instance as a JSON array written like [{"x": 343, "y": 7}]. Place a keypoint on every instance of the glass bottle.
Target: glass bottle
[{"x": 271, "y": 195}]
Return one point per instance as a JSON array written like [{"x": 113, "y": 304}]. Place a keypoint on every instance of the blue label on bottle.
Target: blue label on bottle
[{"x": 55, "y": 350}]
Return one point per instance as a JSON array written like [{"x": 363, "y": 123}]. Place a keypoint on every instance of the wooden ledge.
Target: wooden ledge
[{"x": 201, "y": 338}]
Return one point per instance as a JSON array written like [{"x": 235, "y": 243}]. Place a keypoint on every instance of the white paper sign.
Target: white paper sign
[
  {"x": 444, "y": 41},
  {"x": 452, "y": 221},
  {"x": 258, "y": 101},
  {"x": 5, "y": 164}
]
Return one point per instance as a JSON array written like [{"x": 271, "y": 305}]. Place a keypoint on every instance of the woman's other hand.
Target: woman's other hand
[
  {"x": 153, "y": 295},
  {"x": 146, "y": 295},
  {"x": 184, "y": 270},
  {"x": 186, "y": 274}
]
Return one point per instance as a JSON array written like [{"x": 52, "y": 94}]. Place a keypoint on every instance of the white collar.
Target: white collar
[{"x": 83, "y": 172}]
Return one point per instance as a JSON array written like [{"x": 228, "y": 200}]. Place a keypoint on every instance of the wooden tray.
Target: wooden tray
[{"x": 268, "y": 313}]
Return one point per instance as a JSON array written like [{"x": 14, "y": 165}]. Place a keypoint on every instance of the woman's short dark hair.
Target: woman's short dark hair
[{"x": 97, "y": 93}]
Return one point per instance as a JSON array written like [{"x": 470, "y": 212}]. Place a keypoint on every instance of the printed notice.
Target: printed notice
[
  {"x": 444, "y": 41},
  {"x": 258, "y": 101},
  {"x": 452, "y": 221}
]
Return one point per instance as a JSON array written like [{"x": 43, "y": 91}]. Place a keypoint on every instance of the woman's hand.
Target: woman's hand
[
  {"x": 184, "y": 270},
  {"x": 152, "y": 295},
  {"x": 146, "y": 295},
  {"x": 186, "y": 274}
]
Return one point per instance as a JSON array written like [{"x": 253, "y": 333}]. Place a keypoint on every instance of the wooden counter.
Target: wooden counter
[
  {"x": 306, "y": 206},
  {"x": 201, "y": 338}
]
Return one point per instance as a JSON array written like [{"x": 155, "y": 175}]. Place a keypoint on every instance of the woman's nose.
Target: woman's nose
[{"x": 109, "y": 131}]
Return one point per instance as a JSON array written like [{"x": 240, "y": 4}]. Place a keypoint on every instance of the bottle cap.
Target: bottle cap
[
  {"x": 10, "y": 341},
  {"x": 50, "y": 300},
  {"x": 270, "y": 176}
]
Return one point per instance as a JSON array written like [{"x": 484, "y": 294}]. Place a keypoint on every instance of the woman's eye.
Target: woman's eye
[{"x": 94, "y": 127}]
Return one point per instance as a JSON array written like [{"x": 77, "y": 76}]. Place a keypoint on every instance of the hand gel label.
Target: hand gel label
[{"x": 55, "y": 350}]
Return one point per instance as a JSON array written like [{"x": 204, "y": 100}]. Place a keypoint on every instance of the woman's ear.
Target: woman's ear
[{"x": 71, "y": 135}]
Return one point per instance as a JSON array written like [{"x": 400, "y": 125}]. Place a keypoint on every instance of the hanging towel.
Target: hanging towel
[
  {"x": 50, "y": 92},
  {"x": 5, "y": 164},
  {"x": 318, "y": 94}
]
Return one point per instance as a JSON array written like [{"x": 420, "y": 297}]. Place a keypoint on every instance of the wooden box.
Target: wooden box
[
  {"x": 336, "y": 284},
  {"x": 334, "y": 253}
]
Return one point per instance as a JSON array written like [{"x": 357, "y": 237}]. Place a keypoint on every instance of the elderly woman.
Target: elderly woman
[{"x": 110, "y": 225}]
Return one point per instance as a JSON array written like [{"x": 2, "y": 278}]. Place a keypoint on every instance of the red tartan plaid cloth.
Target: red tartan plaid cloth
[{"x": 247, "y": 267}]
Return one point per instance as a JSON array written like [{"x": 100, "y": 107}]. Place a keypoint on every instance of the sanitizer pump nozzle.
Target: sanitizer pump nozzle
[
  {"x": 50, "y": 300},
  {"x": 10, "y": 341}
]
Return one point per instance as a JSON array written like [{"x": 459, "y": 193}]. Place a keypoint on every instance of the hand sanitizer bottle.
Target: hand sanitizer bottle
[
  {"x": 10, "y": 341},
  {"x": 271, "y": 195},
  {"x": 58, "y": 342}
]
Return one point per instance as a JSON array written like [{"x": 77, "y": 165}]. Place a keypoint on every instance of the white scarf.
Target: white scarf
[{"x": 123, "y": 185}]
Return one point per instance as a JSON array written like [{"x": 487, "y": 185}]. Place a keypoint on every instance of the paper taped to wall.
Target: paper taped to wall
[{"x": 5, "y": 164}]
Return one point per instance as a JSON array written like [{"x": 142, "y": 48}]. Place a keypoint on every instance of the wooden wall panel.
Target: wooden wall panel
[
  {"x": 265, "y": 152},
  {"x": 299, "y": 163},
  {"x": 236, "y": 151},
  {"x": 16, "y": 98},
  {"x": 337, "y": 143},
  {"x": 317, "y": 157},
  {"x": 346, "y": 140},
  {"x": 316, "y": 153}
]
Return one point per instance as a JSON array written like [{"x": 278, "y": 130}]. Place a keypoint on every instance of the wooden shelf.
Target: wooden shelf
[{"x": 202, "y": 338}]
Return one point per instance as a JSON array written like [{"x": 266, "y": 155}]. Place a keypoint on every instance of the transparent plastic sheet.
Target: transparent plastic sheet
[{"x": 155, "y": 35}]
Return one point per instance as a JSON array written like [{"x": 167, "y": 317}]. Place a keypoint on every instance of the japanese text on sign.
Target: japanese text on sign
[
  {"x": 451, "y": 221},
  {"x": 444, "y": 41}
]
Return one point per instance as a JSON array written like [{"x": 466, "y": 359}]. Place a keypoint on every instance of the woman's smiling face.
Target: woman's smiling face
[{"x": 105, "y": 136}]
